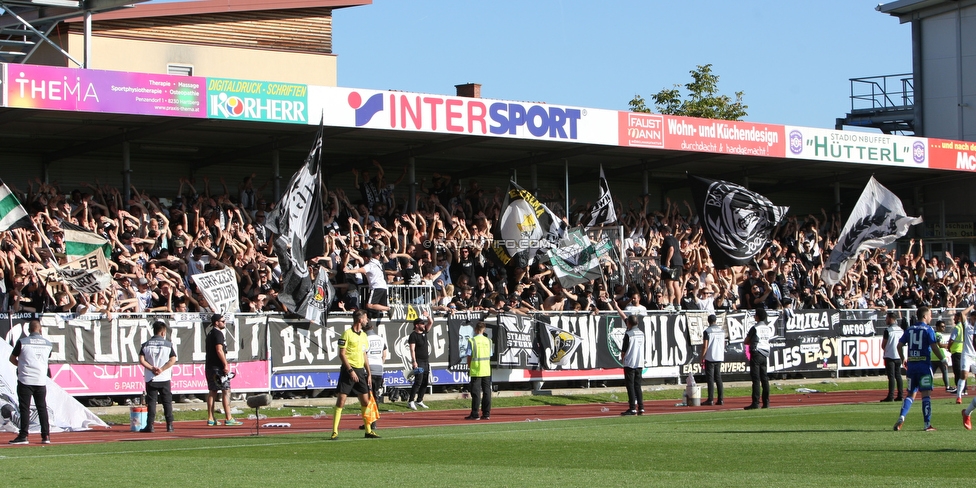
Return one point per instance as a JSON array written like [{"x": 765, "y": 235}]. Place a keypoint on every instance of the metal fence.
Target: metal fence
[{"x": 402, "y": 294}]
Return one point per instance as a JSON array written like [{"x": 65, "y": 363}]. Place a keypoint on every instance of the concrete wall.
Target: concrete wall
[
  {"x": 247, "y": 64},
  {"x": 948, "y": 77}
]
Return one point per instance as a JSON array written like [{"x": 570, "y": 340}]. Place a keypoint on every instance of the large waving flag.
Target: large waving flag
[
  {"x": 526, "y": 226},
  {"x": 603, "y": 212},
  {"x": 577, "y": 260},
  {"x": 12, "y": 213},
  {"x": 737, "y": 222},
  {"x": 878, "y": 219},
  {"x": 297, "y": 222},
  {"x": 79, "y": 241}
]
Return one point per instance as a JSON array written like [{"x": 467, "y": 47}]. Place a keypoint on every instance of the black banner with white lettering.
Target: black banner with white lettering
[
  {"x": 95, "y": 339},
  {"x": 305, "y": 355},
  {"x": 589, "y": 330},
  {"x": 300, "y": 345}
]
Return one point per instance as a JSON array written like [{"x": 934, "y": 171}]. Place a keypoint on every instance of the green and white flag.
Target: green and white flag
[
  {"x": 79, "y": 241},
  {"x": 12, "y": 213},
  {"x": 577, "y": 260}
]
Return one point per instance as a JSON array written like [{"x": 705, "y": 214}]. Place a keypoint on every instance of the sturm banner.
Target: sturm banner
[
  {"x": 584, "y": 352},
  {"x": 95, "y": 355},
  {"x": 515, "y": 345},
  {"x": 306, "y": 355},
  {"x": 96, "y": 339}
]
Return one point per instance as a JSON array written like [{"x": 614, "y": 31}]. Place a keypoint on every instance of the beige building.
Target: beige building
[{"x": 284, "y": 40}]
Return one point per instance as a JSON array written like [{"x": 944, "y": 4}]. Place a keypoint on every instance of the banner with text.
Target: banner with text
[
  {"x": 857, "y": 147},
  {"x": 952, "y": 155},
  {"x": 118, "y": 92},
  {"x": 389, "y": 110},
  {"x": 264, "y": 101},
  {"x": 701, "y": 135}
]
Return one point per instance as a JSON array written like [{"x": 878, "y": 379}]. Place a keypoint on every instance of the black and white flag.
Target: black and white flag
[
  {"x": 878, "y": 219},
  {"x": 603, "y": 212},
  {"x": 526, "y": 226},
  {"x": 737, "y": 222},
  {"x": 297, "y": 223}
]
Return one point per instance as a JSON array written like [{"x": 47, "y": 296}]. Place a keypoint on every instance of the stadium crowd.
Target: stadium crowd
[{"x": 159, "y": 242}]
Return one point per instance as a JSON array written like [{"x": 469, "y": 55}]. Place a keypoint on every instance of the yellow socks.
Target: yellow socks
[{"x": 335, "y": 419}]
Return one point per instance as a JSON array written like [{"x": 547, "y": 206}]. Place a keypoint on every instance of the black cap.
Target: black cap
[
  {"x": 215, "y": 317},
  {"x": 366, "y": 253}
]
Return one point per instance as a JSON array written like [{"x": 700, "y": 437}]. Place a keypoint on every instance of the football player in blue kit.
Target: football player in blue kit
[{"x": 922, "y": 346}]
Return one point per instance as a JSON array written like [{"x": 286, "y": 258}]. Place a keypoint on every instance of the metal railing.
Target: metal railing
[
  {"x": 890, "y": 92},
  {"x": 402, "y": 294}
]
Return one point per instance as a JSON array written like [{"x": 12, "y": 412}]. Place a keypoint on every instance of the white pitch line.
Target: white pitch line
[{"x": 772, "y": 413}]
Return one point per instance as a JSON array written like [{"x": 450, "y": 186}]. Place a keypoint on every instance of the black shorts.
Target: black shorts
[
  {"x": 673, "y": 274},
  {"x": 213, "y": 382},
  {"x": 349, "y": 387},
  {"x": 378, "y": 297}
]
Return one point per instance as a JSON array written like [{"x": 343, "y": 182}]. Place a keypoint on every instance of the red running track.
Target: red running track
[{"x": 198, "y": 429}]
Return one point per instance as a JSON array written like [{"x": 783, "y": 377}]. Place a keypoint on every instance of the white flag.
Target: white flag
[
  {"x": 65, "y": 414},
  {"x": 220, "y": 289},
  {"x": 878, "y": 219}
]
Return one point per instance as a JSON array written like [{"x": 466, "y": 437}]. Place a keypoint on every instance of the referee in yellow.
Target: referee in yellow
[
  {"x": 354, "y": 376},
  {"x": 479, "y": 368}
]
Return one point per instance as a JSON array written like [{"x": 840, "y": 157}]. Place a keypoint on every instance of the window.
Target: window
[{"x": 179, "y": 69}]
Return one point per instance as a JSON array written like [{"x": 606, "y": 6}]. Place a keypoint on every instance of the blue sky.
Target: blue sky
[{"x": 793, "y": 59}]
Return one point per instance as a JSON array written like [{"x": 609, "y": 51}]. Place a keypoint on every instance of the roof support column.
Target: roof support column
[
  {"x": 88, "y": 39},
  {"x": 534, "y": 176},
  {"x": 276, "y": 172},
  {"x": 645, "y": 176},
  {"x": 126, "y": 175},
  {"x": 837, "y": 196},
  {"x": 566, "y": 176},
  {"x": 412, "y": 184},
  {"x": 942, "y": 225}
]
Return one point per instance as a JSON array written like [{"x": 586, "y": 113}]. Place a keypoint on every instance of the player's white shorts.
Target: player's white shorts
[{"x": 968, "y": 364}]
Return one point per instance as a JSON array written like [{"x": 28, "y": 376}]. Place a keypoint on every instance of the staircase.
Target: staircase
[{"x": 27, "y": 24}]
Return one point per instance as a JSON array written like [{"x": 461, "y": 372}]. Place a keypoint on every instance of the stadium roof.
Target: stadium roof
[
  {"x": 60, "y": 137},
  {"x": 902, "y": 7},
  {"x": 198, "y": 7}
]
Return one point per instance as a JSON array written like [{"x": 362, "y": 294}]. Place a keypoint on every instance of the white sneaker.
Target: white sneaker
[
  {"x": 413, "y": 406},
  {"x": 421, "y": 405}
]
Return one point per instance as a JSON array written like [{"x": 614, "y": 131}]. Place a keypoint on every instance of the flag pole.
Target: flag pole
[{"x": 566, "y": 176}]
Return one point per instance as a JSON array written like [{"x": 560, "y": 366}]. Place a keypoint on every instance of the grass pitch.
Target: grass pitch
[{"x": 848, "y": 445}]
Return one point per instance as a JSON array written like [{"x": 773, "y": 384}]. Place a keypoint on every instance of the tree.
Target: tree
[{"x": 703, "y": 100}]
